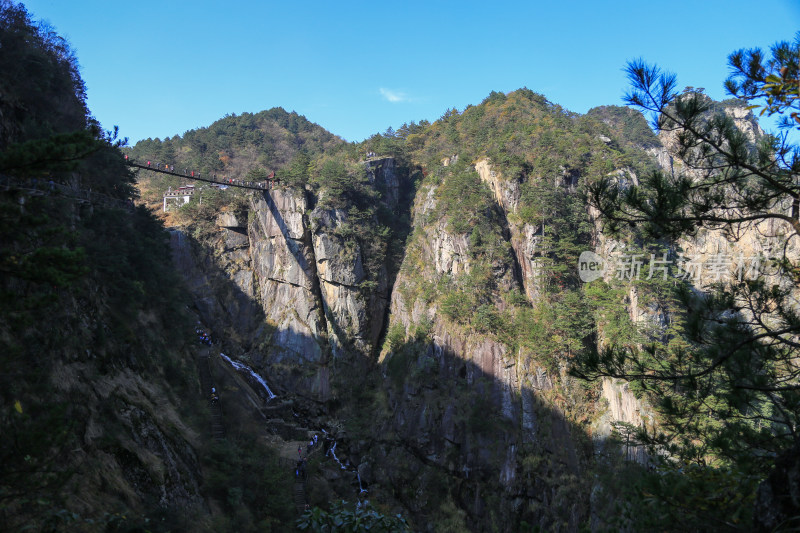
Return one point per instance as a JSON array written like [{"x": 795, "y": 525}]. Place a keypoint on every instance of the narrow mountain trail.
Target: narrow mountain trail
[
  {"x": 292, "y": 453},
  {"x": 206, "y": 384},
  {"x": 299, "y": 495}
]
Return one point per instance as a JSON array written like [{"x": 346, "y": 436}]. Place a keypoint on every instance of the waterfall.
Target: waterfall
[
  {"x": 241, "y": 366},
  {"x": 332, "y": 451}
]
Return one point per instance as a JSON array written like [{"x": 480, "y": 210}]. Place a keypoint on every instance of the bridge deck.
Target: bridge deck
[{"x": 256, "y": 186}]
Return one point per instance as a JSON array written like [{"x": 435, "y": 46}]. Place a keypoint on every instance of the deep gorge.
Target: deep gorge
[{"x": 435, "y": 358}]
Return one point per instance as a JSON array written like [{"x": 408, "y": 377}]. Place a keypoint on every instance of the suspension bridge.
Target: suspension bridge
[{"x": 268, "y": 183}]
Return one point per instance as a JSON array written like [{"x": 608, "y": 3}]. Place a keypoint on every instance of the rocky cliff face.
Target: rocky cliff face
[
  {"x": 708, "y": 258},
  {"x": 221, "y": 281},
  {"x": 283, "y": 259},
  {"x": 296, "y": 262},
  {"x": 525, "y": 238},
  {"x": 354, "y": 311},
  {"x": 150, "y": 460},
  {"x": 714, "y": 255},
  {"x": 99, "y": 377}
]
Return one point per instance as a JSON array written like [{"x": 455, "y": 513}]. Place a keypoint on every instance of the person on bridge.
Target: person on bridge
[{"x": 148, "y": 164}]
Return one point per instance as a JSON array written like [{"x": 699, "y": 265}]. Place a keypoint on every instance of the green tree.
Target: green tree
[
  {"x": 41, "y": 85},
  {"x": 341, "y": 518},
  {"x": 256, "y": 174},
  {"x": 774, "y": 82},
  {"x": 729, "y": 396},
  {"x": 298, "y": 171}
]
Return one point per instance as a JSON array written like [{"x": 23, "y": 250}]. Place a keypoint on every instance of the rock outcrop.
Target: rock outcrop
[
  {"x": 283, "y": 260},
  {"x": 319, "y": 303}
]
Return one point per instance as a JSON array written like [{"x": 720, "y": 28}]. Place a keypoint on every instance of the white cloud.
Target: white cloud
[{"x": 393, "y": 96}]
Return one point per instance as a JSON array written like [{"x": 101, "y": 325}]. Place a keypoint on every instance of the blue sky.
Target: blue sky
[{"x": 160, "y": 68}]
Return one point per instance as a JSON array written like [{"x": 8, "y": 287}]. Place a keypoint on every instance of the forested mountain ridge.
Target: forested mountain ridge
[
  {"x": 235, "y": 146},
  {"x": 486, "y": 307},
  {"x": 268, "y": 139}
]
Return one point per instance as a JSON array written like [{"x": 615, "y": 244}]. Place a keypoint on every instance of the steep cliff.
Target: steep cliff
[
  {"x": 289, "y": 291},
  {"x": 105, "y": 426},
  {"x": 316, "y": 271},
  {"x": 475, "y": 410}
]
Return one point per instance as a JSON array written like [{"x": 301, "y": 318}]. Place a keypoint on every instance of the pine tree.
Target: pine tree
[{"x": 729, "y": 395}]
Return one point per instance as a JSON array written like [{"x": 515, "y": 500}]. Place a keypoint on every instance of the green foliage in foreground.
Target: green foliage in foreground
[
  {"x": 737, "y": 367},
  {"x": 345, "y": 520}
]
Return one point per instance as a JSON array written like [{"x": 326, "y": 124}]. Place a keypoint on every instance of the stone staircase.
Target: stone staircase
[
  {"x": 300, "y": 501},
  {"x": 217, "y": 429},
  {"x": 206, "y": 382},
  {"x": 300, "y": 486}
]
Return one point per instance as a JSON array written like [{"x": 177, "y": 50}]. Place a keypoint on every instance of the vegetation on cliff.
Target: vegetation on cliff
[
  {"x": 245, "y": 147},
  {"x": 727, "y": 392},
  {"x": 101, "y": 417}
]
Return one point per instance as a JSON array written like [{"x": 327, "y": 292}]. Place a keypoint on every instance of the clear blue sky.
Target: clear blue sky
[{"x": 160, "y": 68}]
